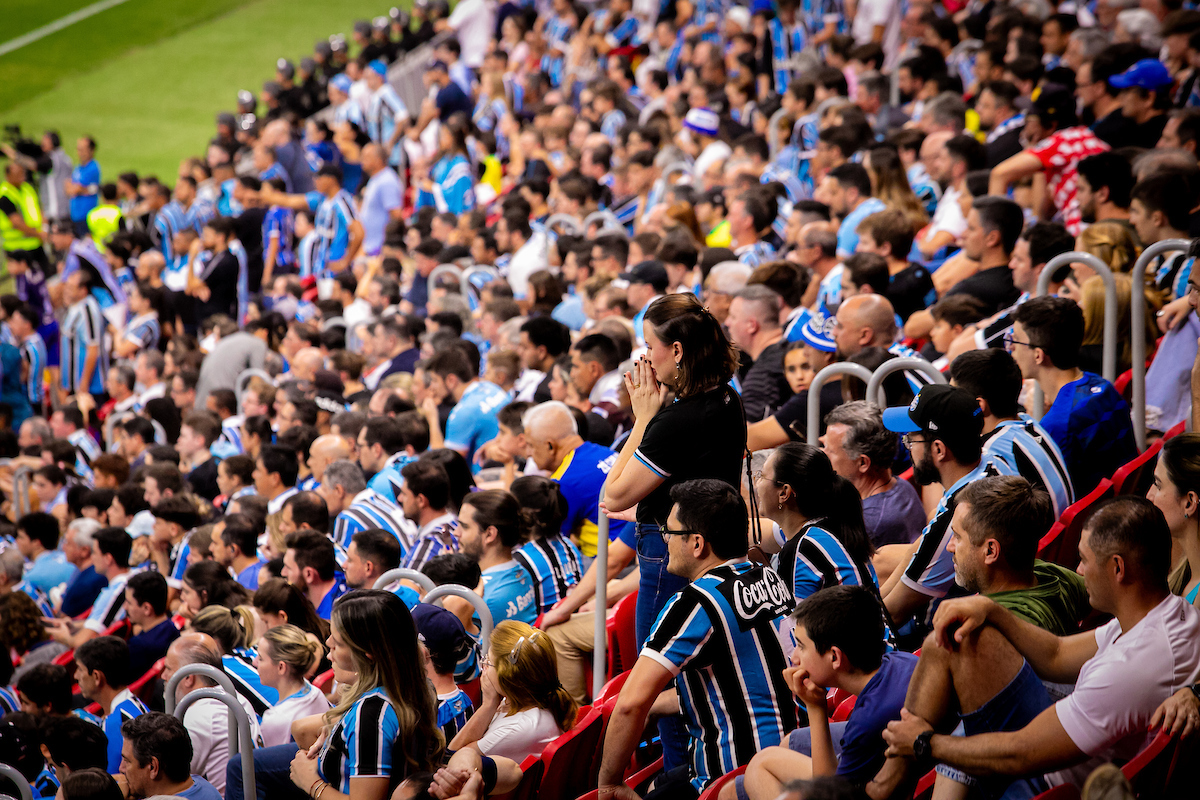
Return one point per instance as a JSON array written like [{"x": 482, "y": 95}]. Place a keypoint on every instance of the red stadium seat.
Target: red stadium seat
[
  {"x": 715, "y": 787},
  {"x": 1066, "y": 791},
  {"x": 324, "y": 680},
  {"x": 622, "y": 636},
  {"x": 570, "y": 760},
  {"x": 1123, "y": 383},
  {"x": 474, "y": 691},
  {"x": 1136, "y": 476},
  {"x": 612, "y": 688},
  {"x": 139, "y": 687},
  {"x": 1175, "y": 431},
  {"x": 1150, "y": 769},
  {"x": 844, "y": 708},
  {"x": 1061, "y": 542},
  {"x": 834, "y": 699}
]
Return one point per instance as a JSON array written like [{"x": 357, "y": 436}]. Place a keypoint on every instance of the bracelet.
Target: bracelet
[
  {"x": 313, "y": 785},
  {"x": 321, "y": 791}
]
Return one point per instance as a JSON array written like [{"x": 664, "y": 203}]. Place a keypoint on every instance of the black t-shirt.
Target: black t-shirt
[
  {"x": 249, "y": 225},
  {"x": 909, "y": 290},
  {"x": 1004, "y": 147},
  {"x": 8, "y": 207},
  {"x": 1147, "y": 134},
  {"x": 764, "y": 387},
  {"x": 450, "y": 99},
  {"x": 694, "y": 437},
  {"x": 1116, "y": 129},
  {"x": 222, "y": 284},
  {"x": 993, "y": 287},
  {"x": 793, "y": 415},
  {"x": 203, "y": 480}
]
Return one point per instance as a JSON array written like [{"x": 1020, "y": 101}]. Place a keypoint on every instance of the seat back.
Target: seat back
[
  {"x": 1148, "y": 770},
  {"x": 140, "y": 686},
  {"x": 622, "y": 636},
  {"x": 842, "y": 713},
  {"x": 569, "y": 759},
  {"x": 715, "y": 787},
  {"x": 1179, "y": 428},
  {"x": 1136, "y": 476},
  {"x": 1065, "y": 791},
  {"x": 324, "y": 680},
  {"x": 1061, "y": 542},
  {"x": 612, "y": 688}
]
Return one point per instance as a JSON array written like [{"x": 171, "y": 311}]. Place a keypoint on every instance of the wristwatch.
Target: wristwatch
[
  {"x": 1195, "y": 687},
  {"x": 922, "y": 749}
]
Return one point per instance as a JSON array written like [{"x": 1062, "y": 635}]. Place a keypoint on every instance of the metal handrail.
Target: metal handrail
[
  {"x": 607, "y": 221},
  {"x": 403, "y": 573},
  {"x": 818, "y": 382},
  {"x": 672, "y": 168},
  {"x": 243, "y": 380},
  {"x": 599, "y": 656},
  {"x": 480, "y": 269},
  {"x": 211, "y": 673},
  {"x": 572, "y": 223},
  {"x": 21, "y": 482},
  {"x": 486, "y": 623},
  {"x": 875, "y": 391},
  {"x": 1137, "y": 313},
  {"x": 442, "y": 269},
  {"x": 1109, "y": 361},
  {"x": 333, "y": 322},
  {"x": 242, "y": 733},
  {"x": 111, "y": 423},
  {"x": 23, "y": 787}
]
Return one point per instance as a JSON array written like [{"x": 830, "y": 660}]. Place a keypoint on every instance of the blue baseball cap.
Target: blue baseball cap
[
  {"x": 440, "y": 630},
  {"x": 341, "y": 82},
  {"x": 817, "y": 331},
  {"x": 379, "y": 66},
  {"x": 1149, "y": 73}
]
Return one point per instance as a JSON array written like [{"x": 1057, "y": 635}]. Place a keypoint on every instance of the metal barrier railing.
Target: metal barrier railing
[
  {"x": 407, "y": 74},
  {"x": 607, "y": 221},
  {"x": 875, "y": 391},
  {"x": 1137, "y": 313},
  {"x": 403, "y": 573},
  {"x": 333, "y": 322},
  {"x": 573, "y": 225},
  {"x": 243, "y": 380},
  {"x": 486, "y": 624},
  {"x": 599, "y": 654},
  {"x": 23, "y": 787},
  {"x": 773, "y": 131},
  {"x": 21, "y": 480},
  {"x": 814, "y": 392},
  {"x": 469, "y": 274},
  {"x": 212, "y": 673},
  {"x": 444, "y": 269},
  {"x": 241, "y": 736},
  {"x": 1109, "y": 360}
]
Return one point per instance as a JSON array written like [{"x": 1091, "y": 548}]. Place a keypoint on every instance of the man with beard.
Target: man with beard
[
  {"x": 942, "y": 429},
  {"x": 1103, "y": 186}
]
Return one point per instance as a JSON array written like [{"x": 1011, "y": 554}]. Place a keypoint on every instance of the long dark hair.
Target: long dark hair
[
  {"x": 822, "y": 493},
  {"x": 709, "y": 358},
  {"x": 277, "y": 596}
]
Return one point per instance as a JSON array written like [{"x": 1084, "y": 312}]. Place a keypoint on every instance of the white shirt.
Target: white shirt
[
  {"x": 207, "y": 723},
  {"x": 949, "y": 216},
  {"x": 277, "y": 721},
  {"x": 717, "y": 151},
  {"x": 871, "y": 13},
  {"x": 531, "y": 257},
  {"x": 474, "y": 21},
  {"x": 152, "y": 393},
  {"x": 527, "y": 384},
  {"x": 1132, "y": 673},
  {"x": 524, "y": 733},
  {"x": 276, "y": 505}
]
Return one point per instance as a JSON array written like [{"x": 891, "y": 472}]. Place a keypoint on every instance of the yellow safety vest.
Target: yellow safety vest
[
  {"x": 103, "y": 222},
  {"x": 25, "y": 198}
]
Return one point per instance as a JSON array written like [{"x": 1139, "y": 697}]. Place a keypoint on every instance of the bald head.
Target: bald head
[
  {"x": 331, "y": 447},
  {"x": 865, "y": 320},
  {"x": 192, "y": 648},
  {"x": 933, "y": 144},
  {"x": 151, "y": 261},
  {"x": 550, "y": 422},
  {"x": 306, "y": 363}
]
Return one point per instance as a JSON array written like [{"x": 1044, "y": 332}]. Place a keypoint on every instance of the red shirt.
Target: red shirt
[{"x": 1060, "y": 154}]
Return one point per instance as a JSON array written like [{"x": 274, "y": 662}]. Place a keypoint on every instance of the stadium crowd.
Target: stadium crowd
[{"x": 236, "y": 398}]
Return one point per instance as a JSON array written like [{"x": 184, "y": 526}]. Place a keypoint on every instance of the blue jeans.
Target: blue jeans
[
  {"x": 656, "y": 588},
  {"x": 272, "y": 775}
]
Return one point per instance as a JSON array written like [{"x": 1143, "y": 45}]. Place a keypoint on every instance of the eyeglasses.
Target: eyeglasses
[
  {"x": 909, "y": 441},
  {"x": 758, "y": 476},
  {"x": 1009, "y": 341},
  {"x": 664, "y": 532}
]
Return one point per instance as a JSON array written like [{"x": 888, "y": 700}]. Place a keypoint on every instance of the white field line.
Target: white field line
[{"x": 57, "y": 25}]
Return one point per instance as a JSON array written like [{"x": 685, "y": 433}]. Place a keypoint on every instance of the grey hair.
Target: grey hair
[
  {"x": 39, "y": 427},
  {"x": 346, "y": 474},
  {"x": 1142, "y": 26},
  {"x": 947, "y": 108},
  {"x": 457, "y": 304},
  {"x": 554, "y": 415},
  {"x": 763, "y": 302},
  {"x": 865, "y": 433},
  {"x": 1161, "y": 160},
  {"x": 823, "y": 238},
  {"x": 729, "y": 277},
  {"x": 194, "y": 651},
  {"x": 81, "y": 531},
  {"x": 13, "y": 563},
  {"x": 1093, "y": 40}
]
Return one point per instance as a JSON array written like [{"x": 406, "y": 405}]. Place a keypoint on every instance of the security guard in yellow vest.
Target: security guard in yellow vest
[
  {"x": 21, "y": 219},
  {"x": 105, "y": 219}
]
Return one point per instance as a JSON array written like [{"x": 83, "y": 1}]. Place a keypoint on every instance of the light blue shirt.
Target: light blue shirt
[
  {"x": 847, "y": 238},
  {"x": 473, "y": 420},
  {"x": 49, "y": 570},
  {"x": 508, "y": 592},
  {"x": 381, "y": 195}
]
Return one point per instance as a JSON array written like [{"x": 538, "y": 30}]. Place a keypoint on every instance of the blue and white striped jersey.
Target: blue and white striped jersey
[
  {"x": 229, "y": 443},
  {"x": 1026, "y": 447},
  {"x": 239, "y": 666},
  {"x": 277, "y": 224},
  {"x": 124, "y": 708},
  {"x": 361, "y": 742},
  {"x": 276, "y": 171},
  {"x": 786, "y": 42},
  {"x": 82, "y": 328},
  {"x": 717, "y": 636},
  {"x": 554, "y": 563},
  {"x": 307, "y": 253},
  {"x": 384, "y": 112},
  {"x": 915, "y": 379},
  {"x": 370, "y": 510},
  {"x": 33, "y": 353},
  {"x": 144, "y": 330},
  {"x": 454, "y": 710},
  {"x": 752, "y": 255},
  {"x": 611, "y": 125},
  {"x": 332, "y": 223},
  {"x": 433, "y": 539},
  {"x": 169, "y": 220},
  {"x": 453, "y": 186}
]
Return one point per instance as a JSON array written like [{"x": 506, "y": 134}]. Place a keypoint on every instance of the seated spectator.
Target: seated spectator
[
  {"x": 233, "y": 632},
  {"x": 489, "y": 531},
  {"x": 206, "y": 721},
  {"x": 839, "y": 645},
  {"x": 425, "y": 498},
  {"x": 1085, "y": 416},
  {"x": 1176, "y": 493},
  {"x": 951, "y": 316},
  {"x": 235, "y": 547},
  {"x": 146, "y": 607},
  {"x": 754, "y": 326},
  {"x": 156, "y": 758},
  {"x": 993, "y": 226},
  {"x": 372, "y": 553},
  {"x": 20, "y": 749},
  {"x": 444, "y": 644},
  {"x": 1009, "y": 435},
  {"x": 354, "y": 507},
  {"x": 552, "y": 561},
  {"x": 37, "y": 539},
  {"x": 44, "y": 690},
  {"x": 103, "y": 674},
  {"x": 207, "y": 583},
  {"x": 72, "y": 745},
  {"x": 81, "y": 590},
  {"x": 984, "y": 660},
  {"x": 285, "y": 655},
  {"x": 524, "y": 706},
  {"x": 804, "y": 358},
  {"x": 309, "y": 564},
  {"x": 862, "y": 450},
  {"x": 22, "y": 632},
  {"x": 110, "y": 555},
  {"x": 91, "y": 784}
]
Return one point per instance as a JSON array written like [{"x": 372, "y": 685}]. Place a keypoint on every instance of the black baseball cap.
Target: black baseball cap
[
  {"x": 440, "y": 630},
  {"x": 650, "y": 271},
  {"x": 947, "y": 412}
]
